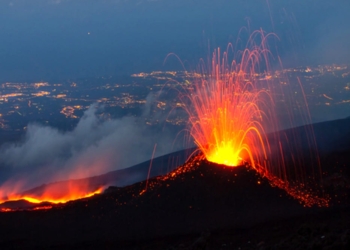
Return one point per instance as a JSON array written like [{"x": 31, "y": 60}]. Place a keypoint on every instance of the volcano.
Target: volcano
[
  {"x": 197, "y": 196},
  {"x": 199, "y": 204}
]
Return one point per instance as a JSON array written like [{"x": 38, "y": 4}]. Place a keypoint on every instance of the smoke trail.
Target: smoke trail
[{"x": 96, "y": 145}]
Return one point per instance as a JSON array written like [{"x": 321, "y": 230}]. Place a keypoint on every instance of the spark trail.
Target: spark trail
[{"x": 232, "y": 119}]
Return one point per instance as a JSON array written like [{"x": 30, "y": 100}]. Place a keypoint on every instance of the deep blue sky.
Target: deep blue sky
[{"x": 58, "y": 39}]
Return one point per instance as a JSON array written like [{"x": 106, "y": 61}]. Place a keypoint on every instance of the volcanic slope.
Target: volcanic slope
[
  {"x": 195, "y": 197},
  {"x": 123, "y": 177},
  {"x": 332, "y": 137}
]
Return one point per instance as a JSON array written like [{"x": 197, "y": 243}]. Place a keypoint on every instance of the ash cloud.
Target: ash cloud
[{"x": 95, "y": 146}]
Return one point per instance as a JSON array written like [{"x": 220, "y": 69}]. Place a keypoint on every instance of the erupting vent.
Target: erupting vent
[{"x": 233, "y": 120}]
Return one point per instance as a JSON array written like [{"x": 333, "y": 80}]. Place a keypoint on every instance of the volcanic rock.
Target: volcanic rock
[
  {"x": 195, "y": 196},
  {"x": 237, "y": 206}
]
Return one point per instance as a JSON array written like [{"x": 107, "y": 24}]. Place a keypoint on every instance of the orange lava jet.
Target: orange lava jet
[
  {"x": 233, "y": 121},
  {"x": 227, "y": 118},
  {"x": 227, "y": 124}
]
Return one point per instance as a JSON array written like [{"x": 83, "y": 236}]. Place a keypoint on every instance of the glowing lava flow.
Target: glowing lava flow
[
  {"x": 68, "y": 197},
  {"x": 50, "y": 194},
  {"x": 233, "y": 121}
]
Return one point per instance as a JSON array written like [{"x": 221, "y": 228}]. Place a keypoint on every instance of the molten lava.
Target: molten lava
[
  {"x": 233, "y": 120},
  {"x": 229, "y": 119},
  {"x": 227, "y": 116},
  {"x": 60, "y": 192},
  {"x": 51, "y": 199}
]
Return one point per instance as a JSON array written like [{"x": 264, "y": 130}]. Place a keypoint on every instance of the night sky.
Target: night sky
[{"x": 60, "y": 39}]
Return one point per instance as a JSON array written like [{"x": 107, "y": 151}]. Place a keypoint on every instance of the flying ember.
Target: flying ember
[
  {"x": 230, "y": 108},
  {"x": 233, "y": 120}
]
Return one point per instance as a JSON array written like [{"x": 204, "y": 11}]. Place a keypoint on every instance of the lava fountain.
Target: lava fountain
[
  {"x": 228, "y": 110},
  {"x": 226, "y": 122},
  {"x": 232, "y": 118}
]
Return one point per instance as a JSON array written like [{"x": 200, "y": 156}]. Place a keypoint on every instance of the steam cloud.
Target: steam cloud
[{"x": 95, "y": 146}]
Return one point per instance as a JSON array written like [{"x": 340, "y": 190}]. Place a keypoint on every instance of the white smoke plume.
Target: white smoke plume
[{"x": 93, "y": 147}]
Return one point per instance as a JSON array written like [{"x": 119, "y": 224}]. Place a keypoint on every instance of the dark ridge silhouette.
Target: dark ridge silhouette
[
  {"x": 197, "y": 198},
  {"x": 332, "y": 137},
  {"x": 194, "y": 197}
]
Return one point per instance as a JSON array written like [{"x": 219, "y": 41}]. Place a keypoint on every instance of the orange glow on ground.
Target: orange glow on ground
[
  {"x": 51, "y": 195},
  {"x": 68, "y": 197}
]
